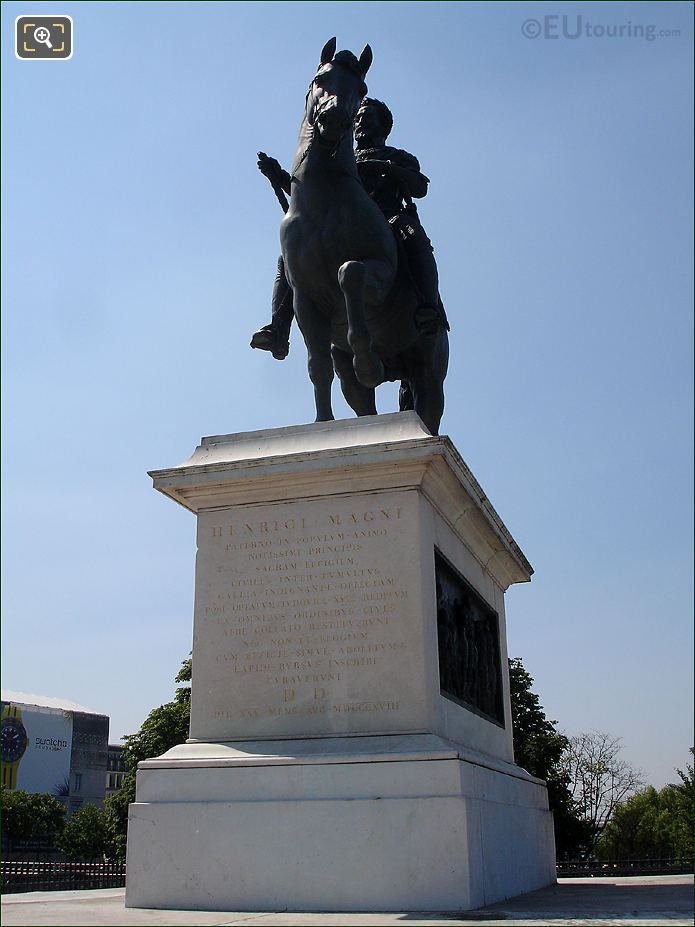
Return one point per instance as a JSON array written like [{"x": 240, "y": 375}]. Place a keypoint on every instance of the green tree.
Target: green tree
[
  {"x": 164, "y": 728},
  {"x": 686, "y": 810},
  {"x": 652, "y": 824},
  {"x": 84, "y": 837},
  {"x": 26, "y": 816},
  {"x": 539, "y": 748}
]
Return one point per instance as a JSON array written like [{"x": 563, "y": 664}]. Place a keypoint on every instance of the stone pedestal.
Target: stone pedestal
[{"x": 350, "y": 745}]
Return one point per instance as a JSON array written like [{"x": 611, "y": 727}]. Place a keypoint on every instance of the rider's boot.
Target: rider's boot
[
  {"x": 276, "y": 336},
  {"x": 430, "y": 315}
]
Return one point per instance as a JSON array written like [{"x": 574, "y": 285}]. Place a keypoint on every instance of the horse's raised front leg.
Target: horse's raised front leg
[
  {"x": 359, "y": 280},
  {"x": 316, "y": 331},
  {"x": 359, "y": 398}
]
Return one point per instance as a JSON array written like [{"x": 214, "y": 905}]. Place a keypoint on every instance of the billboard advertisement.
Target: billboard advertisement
[{"x": 36, "y": 748}]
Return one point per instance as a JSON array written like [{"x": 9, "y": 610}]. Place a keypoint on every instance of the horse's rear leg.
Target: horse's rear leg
[
  {"x": 429, "y": 402},
  {"x": 316, "y": 331},
  {"x": 359, "y": 398},
  {"x": 429, "y": 366},
  {"x": 357, "y": 279}
]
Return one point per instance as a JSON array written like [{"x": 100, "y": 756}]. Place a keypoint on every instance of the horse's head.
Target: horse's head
[{"x": 336, "y": 92}]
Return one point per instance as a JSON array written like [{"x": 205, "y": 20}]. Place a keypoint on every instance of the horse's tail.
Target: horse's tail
[{"x": 406, "y": 402}]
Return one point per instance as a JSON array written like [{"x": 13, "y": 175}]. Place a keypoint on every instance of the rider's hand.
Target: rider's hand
[
  {"x": 373, "y": 166},
  {"x": 268, "y": 166}
]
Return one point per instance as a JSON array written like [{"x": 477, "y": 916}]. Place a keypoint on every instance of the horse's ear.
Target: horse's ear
[
  {"x": 366, "y": 59},
  {"x": 328, "y": 51}
]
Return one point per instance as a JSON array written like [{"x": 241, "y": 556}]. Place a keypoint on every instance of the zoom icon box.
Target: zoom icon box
[{"x": 43, "y": 37}]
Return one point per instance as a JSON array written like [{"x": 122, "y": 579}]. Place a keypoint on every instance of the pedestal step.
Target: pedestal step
[{"x": 415, "y": 828}]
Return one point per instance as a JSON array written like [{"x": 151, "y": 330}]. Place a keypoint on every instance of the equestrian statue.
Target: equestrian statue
[{"x": 357, "y": 269}]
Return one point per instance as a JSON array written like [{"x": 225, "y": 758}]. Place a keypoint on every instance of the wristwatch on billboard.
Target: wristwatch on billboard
[{"x": 14, "y": 744}]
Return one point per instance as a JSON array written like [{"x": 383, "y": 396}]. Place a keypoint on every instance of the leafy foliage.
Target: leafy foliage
[
  {"x": 116, "y": 815},
  {"x": 30, "y": 817},
  {"x": 539, "y": 748},
  {"x": 686, "y": 809},
  {"x": 164, "y": 728},
  {"x": 652, "y": 824},
  {"x": 183, "y": 693},
  {"x": 85, "y": 837}
]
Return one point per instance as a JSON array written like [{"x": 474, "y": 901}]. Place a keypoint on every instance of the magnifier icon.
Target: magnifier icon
[{"x": 43, "y": 36}]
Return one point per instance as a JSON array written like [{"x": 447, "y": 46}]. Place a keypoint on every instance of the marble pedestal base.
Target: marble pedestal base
[
  {"x": 394, "y": 823},
  {"x": 351, "y": 740}
]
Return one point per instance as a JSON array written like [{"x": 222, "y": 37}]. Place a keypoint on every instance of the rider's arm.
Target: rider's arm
[
  {"x": 405, "y": 168},
  {"x": 271, "y": 169},
  {"x": 286, "y": 181},
  {"x": 414, "y": 181}
]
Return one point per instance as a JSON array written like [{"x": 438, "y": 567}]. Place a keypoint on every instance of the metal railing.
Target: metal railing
[
  {"x": 31, "y": 876},
  {"x": 622, "y": 867}
]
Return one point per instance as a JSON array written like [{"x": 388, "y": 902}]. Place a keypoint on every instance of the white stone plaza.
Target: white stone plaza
[
  {"x": 350, "y": 746},
  {"x": 650, "y": 901}
]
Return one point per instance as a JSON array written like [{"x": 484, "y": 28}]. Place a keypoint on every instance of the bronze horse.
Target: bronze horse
[{"x": 354, "y": 304}]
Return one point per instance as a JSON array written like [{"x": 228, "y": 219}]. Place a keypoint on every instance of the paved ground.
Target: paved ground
[{"x": 655, "y": 900}]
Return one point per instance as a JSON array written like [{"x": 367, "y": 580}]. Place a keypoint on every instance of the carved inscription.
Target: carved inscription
[
  {"x": 469, "y": 645},
  {"x": 302, "y": 614}
]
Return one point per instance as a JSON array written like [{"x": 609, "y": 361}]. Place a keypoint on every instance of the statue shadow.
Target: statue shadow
[{"x": 574, "y": 901}]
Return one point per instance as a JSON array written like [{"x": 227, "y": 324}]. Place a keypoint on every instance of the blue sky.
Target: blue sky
[{"x": 139, "y": 251}]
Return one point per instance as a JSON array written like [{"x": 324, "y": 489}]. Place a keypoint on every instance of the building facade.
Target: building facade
[
  {"x": 116, "y": 769},
  {"x": 54, "y": 746}
]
